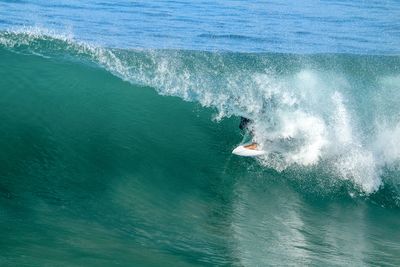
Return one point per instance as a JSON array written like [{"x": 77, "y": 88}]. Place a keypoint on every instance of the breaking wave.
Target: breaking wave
[{"x": 335, "y": 114}]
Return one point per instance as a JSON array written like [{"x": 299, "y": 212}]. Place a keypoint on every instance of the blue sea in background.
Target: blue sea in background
[
  {"x": 362, "y": 27},
  {"x": 118, "y": 119}
]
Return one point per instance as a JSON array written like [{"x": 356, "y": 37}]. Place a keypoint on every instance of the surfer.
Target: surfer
[
  {"x": 245, "y": 126},
  {"x": 244, "y": 123}
]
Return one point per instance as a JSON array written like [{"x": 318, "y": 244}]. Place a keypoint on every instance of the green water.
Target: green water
[{"x": 96, "y": 171}]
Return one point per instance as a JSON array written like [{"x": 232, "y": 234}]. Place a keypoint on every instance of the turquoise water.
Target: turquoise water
[{"x": 115, "y": 142}]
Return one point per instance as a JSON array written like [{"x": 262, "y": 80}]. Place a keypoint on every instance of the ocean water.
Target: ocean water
[{"x": 117, "y": 122}]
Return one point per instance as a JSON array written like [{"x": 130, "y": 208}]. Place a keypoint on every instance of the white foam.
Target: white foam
[
  {"x": 360, "y": 167},
  {"x": 341, "y": 119},
  {"x": 386, "y": 145}
]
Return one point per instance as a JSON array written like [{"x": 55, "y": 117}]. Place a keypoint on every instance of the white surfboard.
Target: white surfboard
[{"x": 246, "y": 152}]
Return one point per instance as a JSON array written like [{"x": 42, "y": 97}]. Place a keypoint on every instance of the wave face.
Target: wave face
[
  {"x": 82, "y": 134},
  {"x": 335, "y": 113}
]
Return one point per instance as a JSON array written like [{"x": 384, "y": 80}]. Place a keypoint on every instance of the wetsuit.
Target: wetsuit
[
  {"x": 248, "y": 131},
  {"x": 244, "y": 123}
]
